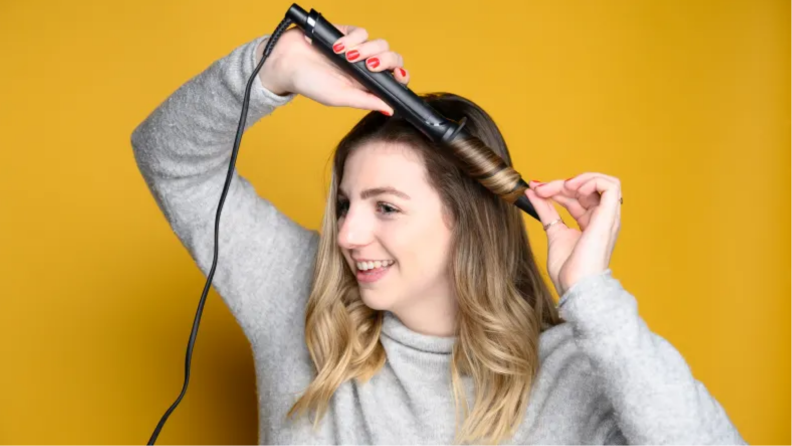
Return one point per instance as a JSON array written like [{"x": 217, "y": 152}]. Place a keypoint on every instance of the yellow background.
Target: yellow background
[{"x": 687, "y": 102}]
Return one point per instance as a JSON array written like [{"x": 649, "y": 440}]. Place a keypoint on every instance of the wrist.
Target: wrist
[{"x": 269, "y": 73}]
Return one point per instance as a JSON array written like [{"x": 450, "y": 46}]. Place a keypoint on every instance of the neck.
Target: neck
[{"x": 434, "y": 316}]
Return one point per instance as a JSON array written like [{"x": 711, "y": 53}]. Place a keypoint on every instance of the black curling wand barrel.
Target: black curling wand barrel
[
  {"x": 489, "y": 169},
  {"x": 479, "y": 160}
]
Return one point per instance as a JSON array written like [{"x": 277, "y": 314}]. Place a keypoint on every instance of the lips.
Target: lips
[{"x": 373, "y": 275}]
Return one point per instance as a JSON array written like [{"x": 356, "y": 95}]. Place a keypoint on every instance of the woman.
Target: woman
[{"x": 419, "y": 314}]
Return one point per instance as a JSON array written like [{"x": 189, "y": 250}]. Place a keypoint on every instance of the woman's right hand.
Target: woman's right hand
[{"x": 294, "y": 66}]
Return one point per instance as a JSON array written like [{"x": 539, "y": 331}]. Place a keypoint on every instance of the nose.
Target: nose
[{"x": 355, "y": 229}]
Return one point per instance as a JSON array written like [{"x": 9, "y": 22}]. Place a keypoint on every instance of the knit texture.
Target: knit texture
[{"x": 604, "y": 377}]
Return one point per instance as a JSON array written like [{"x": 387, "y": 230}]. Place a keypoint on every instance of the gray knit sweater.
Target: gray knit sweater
[{"x": 604, "y": 377}]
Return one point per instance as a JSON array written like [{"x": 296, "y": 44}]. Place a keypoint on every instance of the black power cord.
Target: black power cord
[{"x": 284, "y": 24}]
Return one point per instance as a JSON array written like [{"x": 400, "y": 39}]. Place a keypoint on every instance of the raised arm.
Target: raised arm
[{"x": 183, "y": 150}]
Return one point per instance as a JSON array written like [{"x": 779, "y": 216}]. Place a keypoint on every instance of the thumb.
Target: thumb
[{"x": 366, "y": 101}]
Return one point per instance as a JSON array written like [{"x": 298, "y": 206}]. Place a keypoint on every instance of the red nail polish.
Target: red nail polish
[
  {"x": 386, "y": 113},
  {"x": 338, "y": 47},
  {"x": 352, "y": 55},
  {"x": 402, "y": 72},
  {"x": 373, "y": 62}
]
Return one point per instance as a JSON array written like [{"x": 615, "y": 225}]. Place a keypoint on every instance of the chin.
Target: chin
[{"x": 376, "y": 300}]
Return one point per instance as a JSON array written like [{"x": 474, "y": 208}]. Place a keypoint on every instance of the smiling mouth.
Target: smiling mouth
[
  {"x": 375, "y": 273},
  {"x": 366, "y": 267}
]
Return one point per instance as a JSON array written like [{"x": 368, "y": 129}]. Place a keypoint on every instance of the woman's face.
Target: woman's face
[{"x": 390, "y": 214}]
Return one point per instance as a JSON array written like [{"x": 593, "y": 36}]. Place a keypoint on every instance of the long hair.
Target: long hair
[{"x": 503, "y": 302}]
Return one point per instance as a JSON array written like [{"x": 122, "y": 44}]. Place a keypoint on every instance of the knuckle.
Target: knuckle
[{"x": 382, "y": 44}]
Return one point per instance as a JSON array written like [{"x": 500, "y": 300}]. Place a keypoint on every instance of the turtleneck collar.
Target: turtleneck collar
[{"x": 393, "y": 328}]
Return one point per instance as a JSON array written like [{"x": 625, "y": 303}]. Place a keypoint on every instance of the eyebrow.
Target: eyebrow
[{"x": 376, "y": 191}]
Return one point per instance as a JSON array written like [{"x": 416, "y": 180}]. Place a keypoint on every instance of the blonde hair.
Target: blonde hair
[{"x": 503, "y": 302}]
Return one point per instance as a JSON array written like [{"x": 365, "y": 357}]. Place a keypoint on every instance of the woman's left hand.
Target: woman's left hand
[{"x": 594, "y": 201}]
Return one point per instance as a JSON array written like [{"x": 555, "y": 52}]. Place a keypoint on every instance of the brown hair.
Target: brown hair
[{"x": 504, "y": 304}]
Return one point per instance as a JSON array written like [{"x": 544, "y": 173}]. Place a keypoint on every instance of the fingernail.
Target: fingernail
[
  {"x": 402, "y": 72},
  {"x": 570, "y": 179},
  {"x": 373, "y": 62},
  {"x": 538, "y": 183},
  {"x": 338, "y": 47},
  {"x": 386, "y": 113},
  {"x": 352, "y": 55}
]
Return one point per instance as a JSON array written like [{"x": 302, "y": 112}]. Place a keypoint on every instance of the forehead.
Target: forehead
[{"x": 384, "y": 164}]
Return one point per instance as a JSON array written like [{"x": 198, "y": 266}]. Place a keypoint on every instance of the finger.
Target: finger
[
  {"x": 345, "y": 29},
  {"x": 388, "y": 60},
  {"x": 586, "y": 200},
  {"x": 589, "y": 193},
  {"x": 570, "y": 188},
  {"x": 569, "y": 199},
  {"x": 355, "y": 39},
  {"x": 544, "y": 208},
  {"x": 367, "y": 49},
  {"x": 582, "y": 178},
  {"x": 402, "y": 75},
  {"x": 607, "y": 189},
  {"x": 609, "y": 192},
  {"x": 354, "y": 36},
  {"x": 551, "y": 189},
  {"x": 339, "y": 45},
  {"x": 573, "y": 206}
]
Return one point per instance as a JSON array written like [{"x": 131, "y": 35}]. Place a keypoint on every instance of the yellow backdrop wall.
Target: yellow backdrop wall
[{"x": 687, "y": 102}]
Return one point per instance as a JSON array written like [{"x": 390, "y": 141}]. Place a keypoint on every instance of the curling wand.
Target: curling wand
[{"x": 478, "y": 160}]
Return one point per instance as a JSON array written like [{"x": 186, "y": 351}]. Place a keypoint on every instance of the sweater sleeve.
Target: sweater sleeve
[
  {"x": 183, "y": 150},
  {"x": 656, "y": 399}
]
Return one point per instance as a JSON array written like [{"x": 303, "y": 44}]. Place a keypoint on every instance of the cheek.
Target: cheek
[{"x": 421, "y": 248}]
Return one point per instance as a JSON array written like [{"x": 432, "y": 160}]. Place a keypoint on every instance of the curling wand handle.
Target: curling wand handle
[{"x": 382, "y": 84}]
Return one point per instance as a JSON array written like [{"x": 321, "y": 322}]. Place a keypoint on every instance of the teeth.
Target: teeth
[{"x": 365, "y": 266}]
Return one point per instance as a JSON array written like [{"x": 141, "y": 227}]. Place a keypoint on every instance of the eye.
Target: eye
[
  {"x": 386, "y": 208},
  {"x": 342, "y": 206}
]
